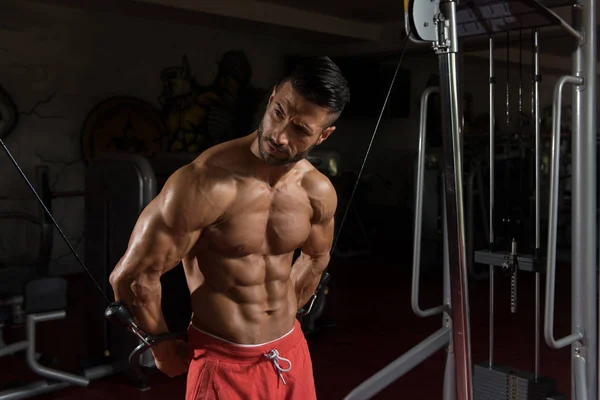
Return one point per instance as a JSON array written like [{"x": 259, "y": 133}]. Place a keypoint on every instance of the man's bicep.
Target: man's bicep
[
  {"x": 324, "y": 202},
  {"x": 320, "y": 239},
  {"x": 154, "y": 246}
]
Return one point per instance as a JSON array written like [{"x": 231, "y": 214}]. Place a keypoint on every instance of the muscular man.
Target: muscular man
[{"x": 234, "y": 217}]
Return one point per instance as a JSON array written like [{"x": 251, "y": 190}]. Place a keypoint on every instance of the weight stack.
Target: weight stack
[{"x": 505, "y": 383}]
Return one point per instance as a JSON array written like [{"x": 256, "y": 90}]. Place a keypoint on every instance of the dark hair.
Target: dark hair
[{"x": 320, "y": 81}]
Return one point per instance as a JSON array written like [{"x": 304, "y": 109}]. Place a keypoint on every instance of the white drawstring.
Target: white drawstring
[{"x": 274, "y": 355}]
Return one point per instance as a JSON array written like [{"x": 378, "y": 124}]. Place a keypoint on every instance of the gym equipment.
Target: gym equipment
[
  {"x": 584, "y": 292},
  {"x": 449, "y": 23},
  {"x": 45, "y": 299},
  {"x": 118, "y": 187},
  {"x": 455, "y": 331},
  {"x": 14, "y": 274},
  {"x": 475, "y": 189},
  {"x": 488, "y": 376},
  {"x": 118, "y": 313},
  {"x": 475, "y": 202},
  {"x": 431, "y": 225},
  {"x": 122, "y": 318},
  {"x": 441, "y": 338},
  {"x": 32, "y": 297},
  {"x": 309, "y": 315},
  {"x": 583, "y": 340}
]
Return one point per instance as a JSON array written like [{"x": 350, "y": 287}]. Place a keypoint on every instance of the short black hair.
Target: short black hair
[{"x": 320, "y": 81}]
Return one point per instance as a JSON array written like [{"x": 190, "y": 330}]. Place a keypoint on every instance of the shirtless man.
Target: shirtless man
[{"x": 234, "y": 217}]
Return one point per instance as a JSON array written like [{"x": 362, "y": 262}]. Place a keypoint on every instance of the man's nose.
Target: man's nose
[{"x": 280, "y": 137}]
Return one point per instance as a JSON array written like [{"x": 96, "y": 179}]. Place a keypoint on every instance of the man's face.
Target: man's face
[{"x": 291, "y": 127}]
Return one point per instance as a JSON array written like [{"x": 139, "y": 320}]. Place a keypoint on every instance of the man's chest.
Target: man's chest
[{"x": 264, "y": 221}]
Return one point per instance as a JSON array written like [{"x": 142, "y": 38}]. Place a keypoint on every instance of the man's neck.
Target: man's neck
[{"x": 272, "y": 174}]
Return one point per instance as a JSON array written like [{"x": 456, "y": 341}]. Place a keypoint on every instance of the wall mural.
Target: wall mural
[
  {"x": 190, "y": 117},
  {"x": 123, "y": 124}
]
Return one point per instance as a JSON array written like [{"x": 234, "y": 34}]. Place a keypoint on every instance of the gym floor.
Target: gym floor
[{"x": 369, "y": 302}]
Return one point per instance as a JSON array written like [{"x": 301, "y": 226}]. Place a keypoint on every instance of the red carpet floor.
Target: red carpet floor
[{"x": 369, "y": 302}]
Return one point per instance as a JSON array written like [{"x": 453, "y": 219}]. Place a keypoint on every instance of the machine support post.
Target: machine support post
[
  {"x": 447, "y": 48},
  {"x": 584, "y": 218}
]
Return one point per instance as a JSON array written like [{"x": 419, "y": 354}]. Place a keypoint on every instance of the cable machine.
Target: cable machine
[{"x": 441, "y": 24}]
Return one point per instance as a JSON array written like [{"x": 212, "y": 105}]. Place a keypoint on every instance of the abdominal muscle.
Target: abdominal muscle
[{"x": 249, "y": 300}]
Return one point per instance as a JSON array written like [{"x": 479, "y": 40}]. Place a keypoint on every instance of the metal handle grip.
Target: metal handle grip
[
  {"x": 419, "y": 211},
  {"x": 118, "y": 313},
  {"x": 553, "y": 217}
]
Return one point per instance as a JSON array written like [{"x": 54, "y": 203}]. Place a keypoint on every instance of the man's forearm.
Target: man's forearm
[
  {"x": 306, "y": 274},
  {"x": 142, "y": 297}
]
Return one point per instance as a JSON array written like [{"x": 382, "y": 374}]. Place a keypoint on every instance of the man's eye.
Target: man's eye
[{"x": 302, "y": 130}]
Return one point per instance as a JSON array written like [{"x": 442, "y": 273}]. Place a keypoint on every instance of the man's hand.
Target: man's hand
[{"x": 172, "y": 358}]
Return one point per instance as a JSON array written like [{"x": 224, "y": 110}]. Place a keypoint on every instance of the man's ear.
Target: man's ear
[{"x": 325, "y": 134}]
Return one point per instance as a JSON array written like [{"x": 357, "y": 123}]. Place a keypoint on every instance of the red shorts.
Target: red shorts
[{"x": 277, "y": 370}]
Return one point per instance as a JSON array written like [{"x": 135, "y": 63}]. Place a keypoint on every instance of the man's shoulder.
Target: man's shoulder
[
  {"x": 317, "y": 183},
  {"x": 196, "y": 195},
  {"x": 222, "y": 160},
  {"x": 205, "y": 176},
  {"x": 218, "y": 164}
]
